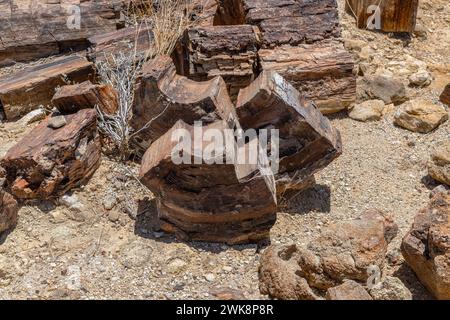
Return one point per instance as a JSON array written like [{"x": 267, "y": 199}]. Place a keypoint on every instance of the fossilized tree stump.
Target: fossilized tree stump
[
  {"x": 33, "y": 29},
  {"x": 49, "y": 162},
  {"x": 392, "y": 15},
  {"x": 26, "y": 90},
  {"x": 308, "y": 142},
  {"x": 163, "y": 97},
  {"x": 229, "y": 203},
  {"x": 73, "y": 98}
]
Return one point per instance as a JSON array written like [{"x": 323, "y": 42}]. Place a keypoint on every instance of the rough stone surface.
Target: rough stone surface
[
  {"x": 349, "y": 290},
  {"x": 371, "y": 110},
  {"x": 420, "y": 115},
  {"x": 445, "y": 95},
  {"x": 391, "y": 288},
  {"x": 9, "y": 210},
  {"x": 382, "y": 87},
  {"x": 439, "y": 165}
]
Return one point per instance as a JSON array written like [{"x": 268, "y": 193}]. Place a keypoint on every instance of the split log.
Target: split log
[
  {"x": 129, "y": 40},
  {"x": 26, "y": 90},
  {"x": 227, "y": 202},
  {"x": 322, "y": 72},
  {"x": 8, "y": 211},
  {"x": 33, "y": 29},
  {"x": 163, "y": 97},
  {"x": 293, "y": 21},
  {"x": 394, "y": 15},
  {"x": 445, "y": 96},
  {"x": 308, "y": 141},
  {"x": 226, "y": 51},
  {"x": 73, "y": 98},
  {"x": 49, "y": 162}
]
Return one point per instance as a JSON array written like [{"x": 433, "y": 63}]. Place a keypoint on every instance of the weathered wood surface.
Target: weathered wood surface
[
  {"x": 445, "y": 96},
  {"x": 394, "y": 15},
  {"x": 73, "y": 98},
  {"x": 49, "y": 162},
  {"x": 130, "y": 40},
  {"x": 322, "y": 72},
  {"x": 228, "y": 203},
  {"x": 31, "y": 29},
  {"x": 226, "y": 51},
  {"x": 163, "y": 97},
  {"x": 8, "y": 211},
  {"x": 308, "y": 141},
  {"x": 293, "y": 21},
  {"x": 26, "y": 90}
]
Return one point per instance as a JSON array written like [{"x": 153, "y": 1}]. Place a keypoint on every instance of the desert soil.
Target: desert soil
[{"x": 91, "y": 252}]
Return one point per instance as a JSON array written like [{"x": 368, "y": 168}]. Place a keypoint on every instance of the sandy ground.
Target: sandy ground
[{"x": 56, "y": 252}]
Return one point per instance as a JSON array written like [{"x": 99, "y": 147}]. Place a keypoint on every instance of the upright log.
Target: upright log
[
  {"x": 163, "y": 97},
  {"x": 387, "y": 15},
  {"x": 322, "y": 72},
  {"x": 33, "y": 29},
  {"x": 214, "y": 202},
  {"x": 49, "y": 162},
  {"x": 26, "y": 90},
  {"x": 308, "y": 142}
]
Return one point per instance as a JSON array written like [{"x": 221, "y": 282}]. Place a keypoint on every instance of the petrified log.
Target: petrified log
[
  {"x": 308, "y": 142},
  {"x": 73, "y": 98},
  {"x": 26, "y": 90},
  {"x": 426, "y": 247},
  {"x": 8, "y": 211},
  {"x": 322, "y": 72},
  {"x": 49, "y": 162},
  {"x": 33, "y": 29},
  {"x": 392, "y": 15},
  {"x": 226, "y": 51},
  {"x": 137, "y": 40},
  {"x": 293, "y": 21},
  {"x": 214, "y": 202},
  {"x": 163, "y": 97},
  {"x": 445, "y": 96}
]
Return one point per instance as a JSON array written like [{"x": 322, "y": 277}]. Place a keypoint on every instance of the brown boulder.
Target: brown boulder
[
  {"x": 8, "y": 211},
  {"x": 439, "y": 165}
]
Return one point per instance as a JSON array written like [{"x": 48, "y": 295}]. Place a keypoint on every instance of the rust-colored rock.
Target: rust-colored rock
[
  {"x": 308, "y": 142},
  {"x": 163, "y": 97},
  {"x": 322, "y": 72},
  {"x": 40, "y": 28},
  {"x": 445, "y": 96},
  {"x": 26, "y": 90},
  {"x": 48, "y": 162},
  {"x": 426, "y": 247},
  {"x": 343, "y": 251},
  {"x": 349, "y": 290},
  {"x": 73, "y": 98},
  {"x": 227, "y": 202},
  {"x": 8, "y": 211},
  {"x": 394, "y": 15},
  {"x": 226, "y": 51}
]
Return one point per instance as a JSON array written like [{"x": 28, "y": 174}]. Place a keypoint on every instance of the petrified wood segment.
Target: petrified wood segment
[
  {"x": 27, "y": 89},
  {"x": 226, "y": 51},
  {"x": 49, "y": 162},
  {"x": 33, "y": 29},
  {"x": 208, "y": 202},
  {"x": 129, "y": 40},
  {"x": 322, "y": 72},
  {"x": 308, "y": 142},
  {"x": 163, "y": 97},
  {"x": 293, "y": 21},
  {"x": 73, "y": 98},
  {"x": 8, "y": 211},
  {"x": 394, "y": 15},
  {"x": 445, "y": 96}
]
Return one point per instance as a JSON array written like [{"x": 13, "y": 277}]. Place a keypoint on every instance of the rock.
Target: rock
[
  {"x": 223, "y": 293},
  {"x": 426, "y": 247},
  {"x": 113, "y": 216},
  {"x": 57, "y": 122},
  {"x": 109, "y": 201},
  {"x": 9, "y": 210},
  {"x": 421, "y": 79},
  {"x": 176, "y": 266},
  {"x": 371, "y": 110},
  {"x": 382, "y": 87},
  {"x": 349, "y": 290},
  {"x": 33, "y": 116},
  {"x": 445, "y": 96},
  {"x": 439, "y": 165},
  {"x": 354, "y": 44},
  {"x": 210, "y": 277},
  {"x": 72, "y": 202},
  {"x": 439, "y": 189},
  {"x": 390, "y": 288},
  {"x": 420, "y": 115},
  {"x": 49, "y": 162},
  {"x": 345, "y": 250}
]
